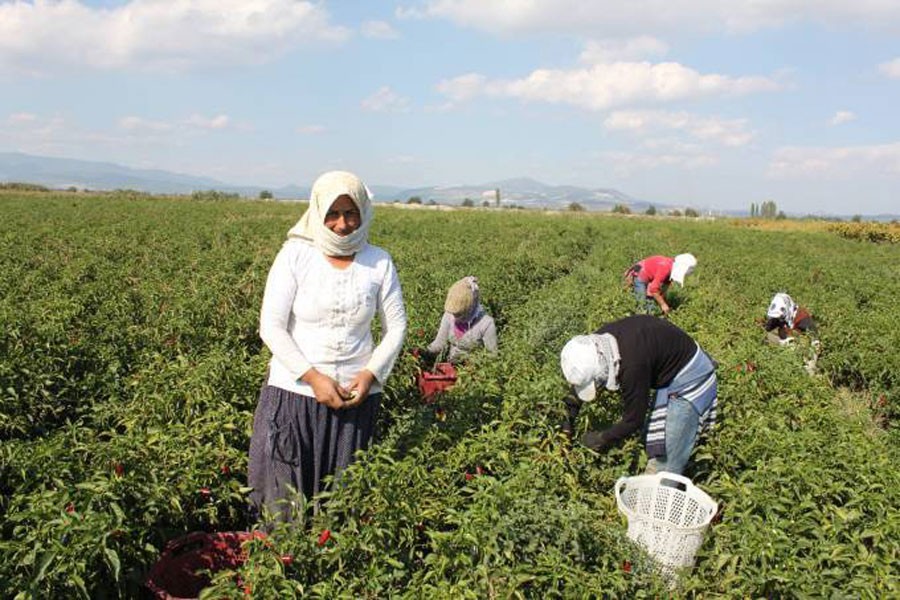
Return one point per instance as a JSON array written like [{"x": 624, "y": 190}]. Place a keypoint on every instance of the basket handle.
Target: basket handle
[
  {"x": 620, "y": 483},
  {"x": 666, "y": 476}
]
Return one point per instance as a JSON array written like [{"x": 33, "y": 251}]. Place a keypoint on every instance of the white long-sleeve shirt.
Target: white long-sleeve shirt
[{"x": 316, "y": 315}]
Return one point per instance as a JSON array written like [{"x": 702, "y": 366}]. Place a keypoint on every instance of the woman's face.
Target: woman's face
[{"x": 343, "y": 217}]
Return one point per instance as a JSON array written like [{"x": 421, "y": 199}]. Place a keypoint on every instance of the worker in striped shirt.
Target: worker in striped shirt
[{"x": 633, "y": 356}]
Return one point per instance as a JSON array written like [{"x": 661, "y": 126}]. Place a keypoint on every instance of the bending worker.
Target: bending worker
[
  {"x": 465, "y": 326},
  {"x": 785, "y": 318},
  {"x": 651, "y": 277},
  {"x": 633, "y": 356}
]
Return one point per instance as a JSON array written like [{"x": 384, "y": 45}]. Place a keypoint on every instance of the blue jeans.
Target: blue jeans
[
  {"x": 640, "y": 294},
  {"x": 682, "y": 422}
]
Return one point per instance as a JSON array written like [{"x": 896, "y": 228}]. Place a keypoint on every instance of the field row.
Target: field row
[{"x": 131, "y": 365}]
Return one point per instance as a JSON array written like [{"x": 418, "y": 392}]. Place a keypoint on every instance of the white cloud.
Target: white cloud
[
  {"x": 891, "y": 68},
  {"x": 797, "y": 162},
  {"x": 385, "y": 100},
  {"x": 606, "y": 51},
  {"x": 403, "y": 159},
  {"x": 51, "y": 135},
  {"x": 137, "y": 124},
  {"x": 643, "y": 16},
  {"x": 728, "y": 132},
  {"x": 625, "y": 164},
  {"x": 21, "y": 118},
  {"x": 311, "y": 129},
  {"x": 842, "y": 116},
  {"x": 604, "y": 86},
  {"x": 203, "y": 122},
  {"x": 380, "y": 30},
  {"x": 44, "y": 36}
]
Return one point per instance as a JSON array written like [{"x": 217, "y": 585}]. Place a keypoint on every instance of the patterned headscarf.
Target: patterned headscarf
[
  {"x": 784, "y": 308},
  {"x": 311, "y": 227}
]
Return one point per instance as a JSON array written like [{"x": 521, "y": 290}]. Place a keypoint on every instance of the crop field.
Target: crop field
[{"x": 130, "y": 366}]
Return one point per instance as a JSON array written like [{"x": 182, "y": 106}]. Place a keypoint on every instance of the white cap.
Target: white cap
[
  {"x": 683, "y": 266},
  {"x": 581, "y": 366}
]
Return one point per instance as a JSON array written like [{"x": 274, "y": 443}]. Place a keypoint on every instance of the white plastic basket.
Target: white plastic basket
[{"x": 667, "y": 515}]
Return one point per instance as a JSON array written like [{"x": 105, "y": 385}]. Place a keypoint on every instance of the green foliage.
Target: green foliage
[
  {"x": 130, "y": 365},
  {"x": 651, "y": 211},
  {"x": 575, "y": 207},
  {"x": 690, "y": 212},
  {"x": 622, "y": 209},
  {"x": 468, "y": 203},
  {"x": 214, "y": 195},
  {"x": 16, "y": 186},
  {"x": 768, "y": 210},
  {"x": 266, "y": 195},
  {"x": 414, "y": 200}
]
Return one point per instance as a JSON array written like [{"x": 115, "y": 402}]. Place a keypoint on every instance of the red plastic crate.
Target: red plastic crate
[
  {"x": 438, "y": 380},
  {"x": 179, "y": 572}
]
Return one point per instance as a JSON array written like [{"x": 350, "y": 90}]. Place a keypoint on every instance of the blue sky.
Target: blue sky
[{"x": 699, "y": 102}]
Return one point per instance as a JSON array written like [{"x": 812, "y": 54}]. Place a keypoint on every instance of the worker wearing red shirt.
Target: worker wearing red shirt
[{"x": 651, "y": 277}]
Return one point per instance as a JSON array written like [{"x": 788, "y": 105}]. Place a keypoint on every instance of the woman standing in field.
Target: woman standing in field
[
  {"x": 465, "y": 326},
  {"x": 320, "y": 402}
]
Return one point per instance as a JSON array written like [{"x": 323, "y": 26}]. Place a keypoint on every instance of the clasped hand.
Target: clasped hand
[{"x": 333, "y": 395}]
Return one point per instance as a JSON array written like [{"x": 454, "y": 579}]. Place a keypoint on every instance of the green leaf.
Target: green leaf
[
  {"x": 45, "y": 561},
  {"x": 112, "y": 559}
]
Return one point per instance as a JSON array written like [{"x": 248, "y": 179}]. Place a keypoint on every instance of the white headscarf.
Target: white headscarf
[
  {"x": 783, "y": 307},
  {"x": 311, "y": 226},
  {"x": 682, "y": 266},
  {"x": 588, "y": 359}
]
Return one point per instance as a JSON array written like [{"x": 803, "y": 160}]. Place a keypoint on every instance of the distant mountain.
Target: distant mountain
[
  {"x": 64, "y": 173},
  {"x": 84, "y": 174},
  {"x": 92, "y": 175},
  {"x": 526, "y": 192}
]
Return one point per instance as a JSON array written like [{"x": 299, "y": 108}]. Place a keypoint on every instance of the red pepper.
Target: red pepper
[
  {"x": 287, "y": 559},
  {"x": 469, "y": 476},
  {"x": 70, "y": 508},
  {"x": 324, "y": 537},
  {"x": 119, "y": 468},
  {"x": 626, "y": 566}
]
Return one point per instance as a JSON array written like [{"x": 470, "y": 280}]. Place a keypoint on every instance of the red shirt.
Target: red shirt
[{"x": 655, "y": 271}]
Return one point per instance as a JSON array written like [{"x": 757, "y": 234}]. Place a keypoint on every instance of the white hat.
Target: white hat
[
  {"x": 581, "y": 366},
  {"x": 683, "y": 266}
]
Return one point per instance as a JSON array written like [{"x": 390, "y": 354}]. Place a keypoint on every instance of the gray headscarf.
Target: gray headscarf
[{"x": 608, "y": 352}]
